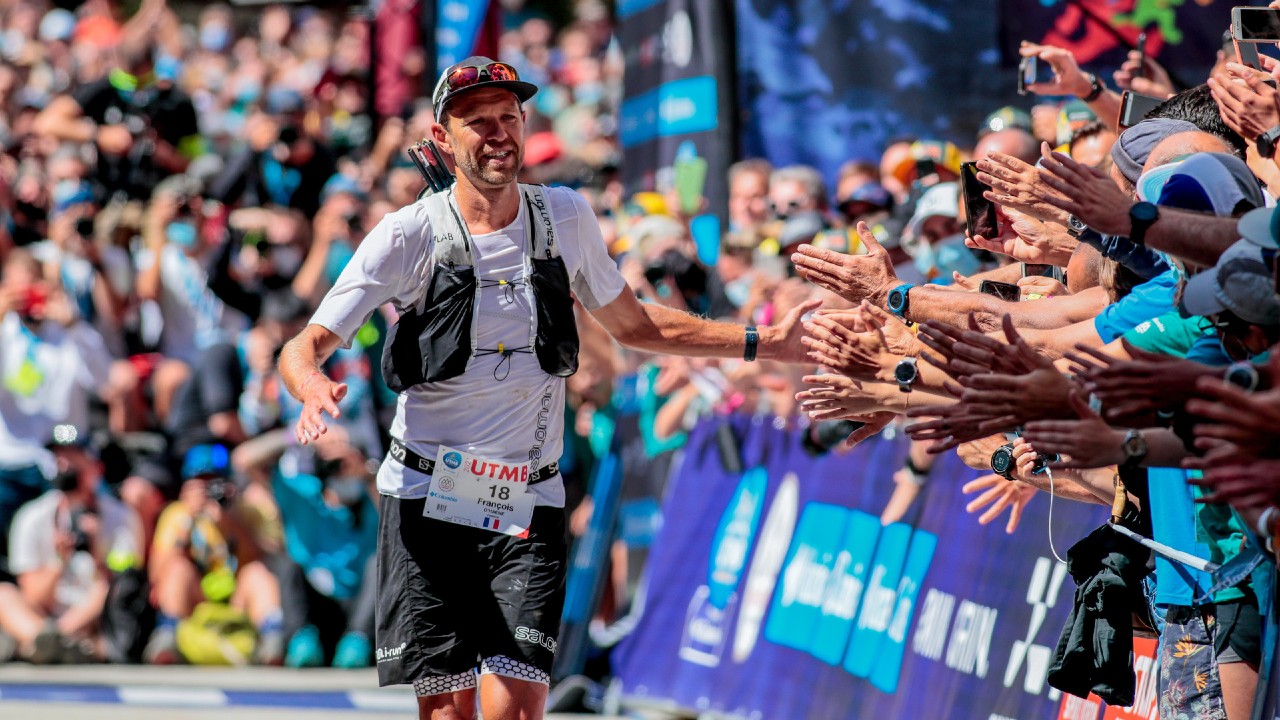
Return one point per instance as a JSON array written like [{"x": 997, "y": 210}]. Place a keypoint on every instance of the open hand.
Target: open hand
[
  {"x": 853, "y": 277},
  {"x": 997, "y": 495},
  {"x": 319, "y": 395},
  {"x": 1087, "y": 193},
  {"x": 1017, "y": 185}
]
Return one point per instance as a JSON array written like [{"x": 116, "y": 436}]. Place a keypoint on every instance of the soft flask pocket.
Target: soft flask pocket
[
  {"x": 435, "y": 344},
  {"x": 557, "y": 338}
]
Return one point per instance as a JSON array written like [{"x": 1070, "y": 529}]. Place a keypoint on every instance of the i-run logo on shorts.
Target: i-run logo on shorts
[{"x": 389, "y": 654}]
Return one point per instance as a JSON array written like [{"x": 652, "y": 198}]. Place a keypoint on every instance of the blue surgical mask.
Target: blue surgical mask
[
  {"x": 936, "y": 261},
  {"x": 588, "y": 93},
  {"x": 738, "y": 291},
  {"x": 215, "y": 37},
  {"x": 181, "y": 233}
]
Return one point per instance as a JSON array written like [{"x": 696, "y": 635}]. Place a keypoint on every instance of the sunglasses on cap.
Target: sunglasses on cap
[{"x": 465, "y": 77}]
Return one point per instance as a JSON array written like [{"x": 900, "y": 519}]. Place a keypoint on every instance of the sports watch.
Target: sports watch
[
  {"x": 1142, "y": 216},
  {"x": 1135, "y": 448},
  {"x": 1243, "y": 375},
  {"x": 899, "y": 301},
  {"x": 1076, "y": 227},
  {"x": 1266, "y": 142},
  {"x": 906, "y": 373},
  {"x": 1002, "y": 461}
]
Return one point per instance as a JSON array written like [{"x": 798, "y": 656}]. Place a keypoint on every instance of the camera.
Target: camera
[
  {"x": 84, "y": 227},
  {"x": 689, "y": 277},
  {"x": 81, "y": 537},
  {"x": 221, "y": 491}
]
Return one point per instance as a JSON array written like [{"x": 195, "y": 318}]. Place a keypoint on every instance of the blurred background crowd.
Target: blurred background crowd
[{"x": 178, "y": 192}]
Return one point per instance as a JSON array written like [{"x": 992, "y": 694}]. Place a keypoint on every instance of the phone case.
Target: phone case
[{"x": 691, "y": 178}]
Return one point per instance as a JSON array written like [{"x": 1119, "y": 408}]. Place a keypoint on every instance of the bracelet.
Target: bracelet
[
  {"x": 1096, "y": 89},
  {"x": 912, "y": 468},
  {"x": 752, "y": 343}
]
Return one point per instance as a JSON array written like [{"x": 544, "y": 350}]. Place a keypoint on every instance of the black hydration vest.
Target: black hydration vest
[{"x": 435, "y": 339}]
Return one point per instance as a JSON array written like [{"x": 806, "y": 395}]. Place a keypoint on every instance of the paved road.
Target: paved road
[{"x": 194, "y": 693}]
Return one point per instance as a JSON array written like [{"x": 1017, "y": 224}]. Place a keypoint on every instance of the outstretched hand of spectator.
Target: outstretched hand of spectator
[
  {"x": 1086, "y": 193},
  {"x": 1249, "y": 421},
  {"x": 1017, "y": 185},
  {"x": 998, "y": 495},
  {"x": 1248, "y": 105},
  {"x": 1145, "y": 384},
  {"x": 1244, "y": 484},
  {"x": 835, "y": 397},
  {"x": 1029, "y": 240},
  {"x": 859, "y": 355},
  {"x": 319, "y": 395},
  {"x": 853, "y": 277},
  {"x": 1143, "y": 75},
  {"x": 1088, "y": 442}
]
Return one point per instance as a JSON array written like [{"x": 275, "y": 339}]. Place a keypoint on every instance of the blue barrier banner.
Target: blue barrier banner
[
  {"x": 457, "y": 27},
  {"x": 777, "y": 592}
]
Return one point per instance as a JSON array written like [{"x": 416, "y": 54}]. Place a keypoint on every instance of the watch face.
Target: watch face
[
  {"x": 1243, "y": 377},
  {"x": 896, "y": 297},
  {"x": 1144, "y": 212},
  {"x": 1135, "y": 445},
  {"x": 1076, "y": 224},
  {"x": 905, "y": 372},
  {"x": 1002, "y": 460}
]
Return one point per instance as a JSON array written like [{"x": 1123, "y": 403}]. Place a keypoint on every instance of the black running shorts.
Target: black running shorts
[{"x": 450, "y": 595}]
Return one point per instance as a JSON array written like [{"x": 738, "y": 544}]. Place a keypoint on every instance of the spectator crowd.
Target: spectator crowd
[{"x": 177, "y": 198}]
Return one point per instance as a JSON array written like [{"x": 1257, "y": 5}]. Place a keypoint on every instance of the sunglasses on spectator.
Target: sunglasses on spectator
[
  {"x": 465, "y": 77},
  {"x": 786, "y": 210}
]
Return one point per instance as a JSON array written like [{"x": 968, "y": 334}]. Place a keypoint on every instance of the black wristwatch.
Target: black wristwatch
[
  {"x": 752, "y": 344},
  {"x": 1141, "y": 216},
  {"x": 905, "y": 373},
  {"x": 1095, "y": 89},
  {"x": 1266, "y": 142},
  {"x": 1002, "y": 461},
  {"x": 1243, "y": 375},
  {"x": 1135, "y": 448}
]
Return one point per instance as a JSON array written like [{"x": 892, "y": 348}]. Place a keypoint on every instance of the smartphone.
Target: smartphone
[
  {"x": 1255, "y": 24},
  {"x": 1247, "y": 54},
  {"x": 1134, "y": 107},
  {"x": 1142, "y": 53},
  {"x": 691, "y": 178},
  {"x": 1033, "y": 71},
  {"x": 979, "y": 212},
  {"x": 1002, "y": 290},
  {"x": 1042, "y": 270}
]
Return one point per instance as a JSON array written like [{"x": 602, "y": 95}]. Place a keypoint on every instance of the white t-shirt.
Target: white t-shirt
[
  {"x": 45, "y": 380},
  {"x": 475, "y": 412},
  {"x": 32, "y": 542},
  {"x": 194, "y": 317}
]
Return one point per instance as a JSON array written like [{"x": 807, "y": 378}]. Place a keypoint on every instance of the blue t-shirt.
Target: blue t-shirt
[
  {"x": 1173, "y": 512},
  {"x": 1151, "y": 299},
  {"x": 328, "y": 543}
]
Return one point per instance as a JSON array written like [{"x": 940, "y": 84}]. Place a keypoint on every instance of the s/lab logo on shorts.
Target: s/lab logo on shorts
[{"x": 453, "y": 460}]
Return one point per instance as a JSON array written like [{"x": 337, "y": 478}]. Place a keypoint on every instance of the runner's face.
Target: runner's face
[{"x": 485, "y": 133}]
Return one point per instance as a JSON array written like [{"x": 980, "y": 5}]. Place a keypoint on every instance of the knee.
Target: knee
[
  {"x": 449, "y": 706},
  {"x": 257, "y": 577},
  {"x": 142, "y": 496},
  {"x": 122, "y": 379},
  {"x": 169, "y": 376}
]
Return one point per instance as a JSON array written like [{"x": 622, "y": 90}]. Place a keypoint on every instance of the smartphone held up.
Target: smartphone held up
[{"x": 979, "y": 212}]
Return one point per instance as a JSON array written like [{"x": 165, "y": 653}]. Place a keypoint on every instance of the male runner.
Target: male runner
[{"x": 471, "y": 550}]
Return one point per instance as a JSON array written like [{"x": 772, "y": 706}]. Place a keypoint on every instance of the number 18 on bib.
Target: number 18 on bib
[{"x": 479, "y": 493}]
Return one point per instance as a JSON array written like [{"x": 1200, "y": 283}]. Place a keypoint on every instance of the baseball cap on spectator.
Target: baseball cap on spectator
[
  {"x": 942, "y": 200},
  {"x": 1074, "y": 115},
  {"x": 342, "y": 184},
  {"x": 1203, "y": 181},
  {"x": 57, "y": 25},
  {"x": 1005, "y": 118},
  {"x": 206, "y": 461},
  {"x": 944, "y": 155},
  {"x": 1241, "y": 282},
  {"x": 454, "y": 81},
  {"x": 649, "y": 231},
  {"x": 1261, "y": 227},
  {"x": 541, "y": 148},
  {"x": 68, "y": 195},
  {"x": 1133, "y": 148}
]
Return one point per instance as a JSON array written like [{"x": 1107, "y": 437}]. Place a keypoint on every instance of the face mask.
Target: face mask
[
  {"x": 181, "y": 233},
  {"x": 215, "y": 38},
  {"x": 589, "y": 93},
  {"x": 738, "y": 291},
  {"x": 350, "y": 490},
  {"x": 287, "y": 259},
  {"x": 938, "y": 260},
  {"x": 65, "y": 480}
]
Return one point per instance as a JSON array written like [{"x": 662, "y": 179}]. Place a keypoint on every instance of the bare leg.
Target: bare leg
[
  {"x": 176, "y": 587},
  {"x": 126, "y": 411},
  {"x": 1239, "y": 680},
  {"x": 82, "y": 620},
  {"x": 504, "y": 698},
  {"x": 148, "y": 502},
  {"x": 460, "y": 705},
  {"x": 165, "y": 382},
  {"x": 257, "y": 592},
  {"x": 17, "y": 617}
]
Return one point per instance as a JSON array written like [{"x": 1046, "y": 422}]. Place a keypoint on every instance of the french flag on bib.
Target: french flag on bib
[{"x": 491, "y": 523}]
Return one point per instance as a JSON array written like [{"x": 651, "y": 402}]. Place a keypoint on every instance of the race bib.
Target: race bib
[{"x": 480, "y": 493}]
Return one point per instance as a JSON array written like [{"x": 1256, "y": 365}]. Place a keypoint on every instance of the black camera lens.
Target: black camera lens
[
  {"x": 289, "y": 134},
  {"x": 84, "y": 227},
  {"x": 655, "y": 273}
]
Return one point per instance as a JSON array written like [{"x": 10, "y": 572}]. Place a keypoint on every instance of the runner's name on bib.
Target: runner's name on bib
[{"x": 479, "y": 493}]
